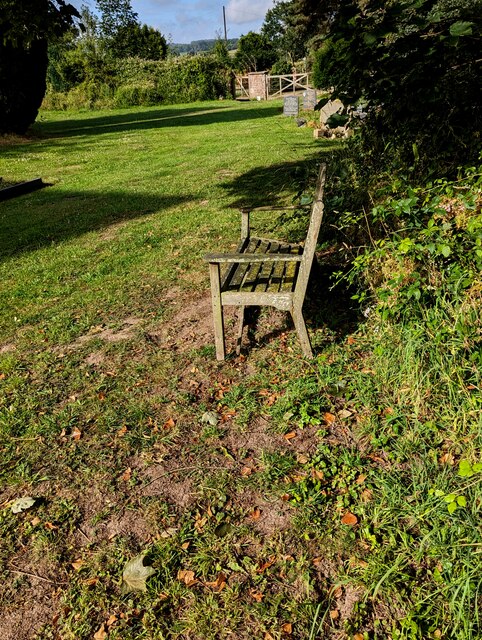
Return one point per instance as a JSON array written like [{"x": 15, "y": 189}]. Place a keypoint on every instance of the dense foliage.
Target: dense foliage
[
  {"x": 416, "y": 65},
  {"x": 134, "y": 81},
  {"x": 254, "y": 53}
]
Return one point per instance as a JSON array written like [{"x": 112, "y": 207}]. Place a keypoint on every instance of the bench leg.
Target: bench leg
[
  {"x": 303, "y": 336},
  {"x": 214, "y": 273},
  {"x": 240, "y": 330}
]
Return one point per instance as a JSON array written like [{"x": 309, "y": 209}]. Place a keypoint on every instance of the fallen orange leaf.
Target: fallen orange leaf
[
  {"x": 127, "y": 475},
  {"x": 77, "y": 564},
  {"x": 187, "y": 577},
  {"x": 255, "y": 514},
  {"x": 334, "y": 614},
  {"x": 350, "y": 519},
  {"x": 169, "y": 423},
  {"x": 329, "y": 418},
  {"x": 101, "y": 633},
  {"x": 111, "y": 620},
  {"x": 290, "y": 435},
  {"x": 76, "y": 434},
  {"x": 246, "y": 471},
  {"x": 266, "y": 564},
  {"x": 122, "y": 431},
  {"x": 219, "y": 583},
  {"x": 287, "y": 628},
  {"x": 256, "y": 595}
]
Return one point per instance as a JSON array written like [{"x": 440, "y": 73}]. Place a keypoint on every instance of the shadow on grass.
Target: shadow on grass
[
  {"x": 264, "y": 185},
  {"x": 57, "y": 217},
  {"x": 152, "y": 119}
]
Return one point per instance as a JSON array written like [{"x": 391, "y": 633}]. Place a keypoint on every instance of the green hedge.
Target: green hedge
[{"x": 137, "y": 82}]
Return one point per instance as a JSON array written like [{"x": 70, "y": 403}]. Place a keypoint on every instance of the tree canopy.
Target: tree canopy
[
  {"x": 415, "y": 64},
  {"x": 254, "y": 53}
]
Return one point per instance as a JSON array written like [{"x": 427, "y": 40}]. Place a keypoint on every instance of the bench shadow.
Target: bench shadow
[
  {"x": 154, "y": 118},
  {"x": 61, "y": 216},
  {"x": 326, "y": 307},
  {"x": 277, "y": 182}
]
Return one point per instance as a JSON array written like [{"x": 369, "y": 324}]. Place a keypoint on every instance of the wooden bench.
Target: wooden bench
[{"x": 265, "y": 272}]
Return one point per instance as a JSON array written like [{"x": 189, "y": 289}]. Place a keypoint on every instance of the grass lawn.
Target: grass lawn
[{"x": 273, "y": 497}]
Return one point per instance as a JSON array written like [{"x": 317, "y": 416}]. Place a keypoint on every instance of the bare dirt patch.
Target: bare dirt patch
[
  {"x": 107, "y": 334},
  {"x": 169, "y": 481},
  {"x": 7, "y": 348}
]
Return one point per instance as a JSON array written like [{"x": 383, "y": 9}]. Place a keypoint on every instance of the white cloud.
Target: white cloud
[{"x": 244, "y": 11}]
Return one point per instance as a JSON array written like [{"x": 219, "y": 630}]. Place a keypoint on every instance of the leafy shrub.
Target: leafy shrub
[
  {"x": 131, "y": 95},
  {"x": 148, "y": 82}
]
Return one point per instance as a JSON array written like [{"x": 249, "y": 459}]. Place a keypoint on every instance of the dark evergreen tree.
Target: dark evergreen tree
[{"x": 26, "y": 26}]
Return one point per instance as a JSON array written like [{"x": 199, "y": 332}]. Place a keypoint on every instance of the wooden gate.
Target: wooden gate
[{"x": 249, "y": 86}]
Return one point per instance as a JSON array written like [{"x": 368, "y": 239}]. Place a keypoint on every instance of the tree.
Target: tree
[
  {"x": 415, "y": 63},
  {"x": 254, "y": 53},
  {"x": 115, "y": 15},
  {"x": 138, "y": 41},
  {"x": 26, "y": 26},
  {"x": 279, "y": 31}
]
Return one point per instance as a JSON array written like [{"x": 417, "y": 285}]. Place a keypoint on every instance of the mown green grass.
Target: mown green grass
[{"x": 107, "y": 369}]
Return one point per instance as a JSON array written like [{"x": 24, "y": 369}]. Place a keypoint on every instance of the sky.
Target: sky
[{"x": 187, "y": 20}]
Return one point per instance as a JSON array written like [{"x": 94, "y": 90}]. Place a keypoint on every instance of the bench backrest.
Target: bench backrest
[{"x": 311, "y": 238}]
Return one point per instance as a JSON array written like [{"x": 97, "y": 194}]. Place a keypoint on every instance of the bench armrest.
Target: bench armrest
[{"x": 226, "y": 258}]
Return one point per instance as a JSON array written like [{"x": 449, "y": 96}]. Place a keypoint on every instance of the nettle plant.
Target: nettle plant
[{"x": 431, "y": 246}]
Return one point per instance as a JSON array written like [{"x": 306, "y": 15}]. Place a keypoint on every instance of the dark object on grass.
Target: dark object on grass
[
  {"x": 21, "y": 188},
  {"x": 300, "y": 122}
]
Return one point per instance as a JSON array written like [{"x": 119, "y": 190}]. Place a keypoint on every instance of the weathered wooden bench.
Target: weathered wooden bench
[{"x": 265, "y": 272}]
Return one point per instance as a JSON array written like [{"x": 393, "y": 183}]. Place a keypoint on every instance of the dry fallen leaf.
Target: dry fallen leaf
[
  {"x": 287, "y": 628},
  {"x": 135, "y": 575},
  {"x": 349, "y": 519},
  {"x": 266, "y": 564},
  {"x": 329, "y": 418},
  {"x": 290, "y": 435},
  {"x": 127, "y": 475},
  {"x": 256, "y": 595},
  {"x": 101, "y": 633},
  {"x": 77, "y": 564},
  {"x": 246, "y": 471},
  {"x": 169, "y": 423},
  {"x": 111, "y": 620},
  {"x": 334, "y": 614},
  {"x": 219, "y": 583},
  {"x": 22, "y": 504},
  {"x": 187, "y": 577},
  {"x": 122, "y": 431},
  {"x": 344, "y": 413},
  {"x": 255, "y": 514},
  {"x": 76, "y": 434}
]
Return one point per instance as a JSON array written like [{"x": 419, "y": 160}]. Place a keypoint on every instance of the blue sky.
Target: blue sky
[{"x": 186, "y": 20}]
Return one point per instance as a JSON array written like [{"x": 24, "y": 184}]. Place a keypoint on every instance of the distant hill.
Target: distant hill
[{"x": 196, "y": 46}]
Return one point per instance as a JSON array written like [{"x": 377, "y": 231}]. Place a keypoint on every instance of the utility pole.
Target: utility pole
[{"x": 225, "y": 30}]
